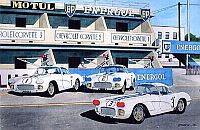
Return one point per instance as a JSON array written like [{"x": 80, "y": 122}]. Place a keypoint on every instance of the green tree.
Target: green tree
[{"x": 192, "y": 38}]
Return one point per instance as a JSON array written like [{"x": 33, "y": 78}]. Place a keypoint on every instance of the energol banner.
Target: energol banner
[{"x": 180, "y": 47}]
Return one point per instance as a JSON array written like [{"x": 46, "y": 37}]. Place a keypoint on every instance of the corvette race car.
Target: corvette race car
[
  {"x": 148, "y": 99},
  {"x": 49, "y": 79},
  {"x": 113, "y": 77}
]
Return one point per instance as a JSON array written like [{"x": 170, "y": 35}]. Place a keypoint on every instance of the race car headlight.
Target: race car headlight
[
  {"x": 89, "y": 85},
  {"x": 117, "y": 85},
  {"x": 11, "y": 81},
  {"x": 116, "y": 79},
  {"x": 11, "y": 86},
  {"x": 39, "y": 81},
  {"x": 40, "y": 87},
  {"x": 121, "y": 112},
  {"x": 88, "y": 79}
]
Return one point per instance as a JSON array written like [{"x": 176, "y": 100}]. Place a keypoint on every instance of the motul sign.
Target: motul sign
[{"x": 32, "y": 5}]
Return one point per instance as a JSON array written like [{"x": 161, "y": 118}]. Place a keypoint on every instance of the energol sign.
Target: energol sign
[
  {"x": 32, "y": 5},
  {"x": 180, "y": 47},
  {"x": 112, "y": 11}
]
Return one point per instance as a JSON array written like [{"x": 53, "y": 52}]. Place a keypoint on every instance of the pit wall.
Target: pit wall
[{"x": 143, "y": 75}]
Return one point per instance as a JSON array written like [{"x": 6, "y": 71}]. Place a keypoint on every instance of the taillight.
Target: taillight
[
  {"x": 96, "y": 102},
  {"x": 120, "y": 104}
]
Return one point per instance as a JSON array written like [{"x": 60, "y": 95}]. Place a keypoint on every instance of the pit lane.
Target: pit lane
[{"x": 74, "y": 111}]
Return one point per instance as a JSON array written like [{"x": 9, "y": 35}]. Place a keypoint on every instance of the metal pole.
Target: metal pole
[
  {"x": 188, "y": 28},
  {"x": 179, "y": 25},
  {"x": 179, "y": 21}
]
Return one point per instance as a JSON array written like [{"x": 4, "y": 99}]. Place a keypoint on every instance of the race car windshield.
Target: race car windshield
[
  {"x": 146, "y": 89},
  {"x": 112, "y": 69},
  {"x": 47, "y": 70}
]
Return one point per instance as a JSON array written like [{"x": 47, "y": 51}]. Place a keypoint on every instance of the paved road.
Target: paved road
[{"x": 74, "y": 111}]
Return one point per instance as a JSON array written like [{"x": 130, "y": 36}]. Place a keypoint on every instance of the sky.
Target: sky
[{"x": 168, "y": 17}]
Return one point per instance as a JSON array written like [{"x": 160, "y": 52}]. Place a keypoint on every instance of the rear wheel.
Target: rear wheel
[
  {"x": 180, "y": 108},
  {"x": 132, "y": 87},
  {"x": 51, "y": 90},
  {"x": 76, "y": 85},
  {"x": 138, "y": 114}
]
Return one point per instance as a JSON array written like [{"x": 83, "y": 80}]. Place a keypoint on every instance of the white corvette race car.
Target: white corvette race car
[
  {"x": 113, "y": 77},
  {"x": 47, "y": 79},
  {"x": 147, "y": 100}
]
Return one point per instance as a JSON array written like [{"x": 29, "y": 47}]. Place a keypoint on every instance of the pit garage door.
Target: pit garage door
[{"x": 122, "y": 61}]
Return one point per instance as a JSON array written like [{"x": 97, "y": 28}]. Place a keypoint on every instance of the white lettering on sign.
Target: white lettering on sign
[
  {"x": 79, "y": 36},
  {"x": 111, "y": 11},
  {"x": 188, "y": 47},
  {"x": 130, "y": 38},
  {"x": 19, "y": 34},
  {"x": 32, "y": 5},
  {"x": 151, "y": 77}
]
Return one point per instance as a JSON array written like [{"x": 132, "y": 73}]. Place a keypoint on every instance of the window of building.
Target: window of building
[
  {"x": 174, "y": 35},
  {"x": 167, "y": 35},
  {"x": 74, "y": 24},
  {"x": 166, "y": 55},
  {"x": 159, "y": 35},
  {"x": 121, "y": 27},
  {"x": 19, "y": 64},
  {"x": 20, "y": 22},
  {"x": 122, "y": 61},
  {"x": 74, "y": 62},
  {"x": 159, "y": 55}
]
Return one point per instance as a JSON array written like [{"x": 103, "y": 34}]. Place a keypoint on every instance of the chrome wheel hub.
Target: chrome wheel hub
[
  {"x": 138, "y": 113},
  {"x": 76, "y": 86},
  {"x": 51, "y": 89},
  {"x": 181, "y": 105}
]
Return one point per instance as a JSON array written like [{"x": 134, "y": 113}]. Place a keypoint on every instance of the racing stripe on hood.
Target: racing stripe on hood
[{"x": 125, "y": 97}]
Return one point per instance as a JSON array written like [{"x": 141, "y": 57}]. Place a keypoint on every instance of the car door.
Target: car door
[
  {"x": 154, "y": 98},
  {"x": 55, "y": 75},
  {"x": 166, "y": 99},
  {"x": 66, "y": 80}
]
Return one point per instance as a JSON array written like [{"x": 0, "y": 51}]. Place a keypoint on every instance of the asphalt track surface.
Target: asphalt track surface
[
  {"x": 70, "y": 110},
  {"x": 74, "y": 111}
]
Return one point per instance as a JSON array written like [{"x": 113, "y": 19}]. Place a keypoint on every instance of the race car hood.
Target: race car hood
[
  {"x": 123, "y": 98},
  {"x": 104, "y": 77},
  {"x": 30, "y": 79},
  {"x": 100, "y": 74}
]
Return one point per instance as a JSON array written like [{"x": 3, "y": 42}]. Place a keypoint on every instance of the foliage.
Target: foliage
[{"x": 192, "y": 38}]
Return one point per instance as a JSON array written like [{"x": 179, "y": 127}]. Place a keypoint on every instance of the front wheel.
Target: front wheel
[
  {"x": 51, "y": 90},
  {"x": 180, "y": 108},
  {"x": 132, "y": 87},
  {"x": 138, "y": 114},
  {"x": 77, "y": 85},
  {"x": 123, "y": 89}
]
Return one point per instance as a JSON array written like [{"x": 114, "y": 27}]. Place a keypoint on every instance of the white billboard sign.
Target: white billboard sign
[
  {"x": 21, "y": 34},
  {"x": 130, "y": 38},
  {"x": 79, "y": 36}
]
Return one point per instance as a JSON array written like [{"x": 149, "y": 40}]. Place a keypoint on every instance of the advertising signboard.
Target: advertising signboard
[
  {"x": 79, "y": 36},
  {"x": 180, "y": 47},
  {"x": 22, "y": 34},
  {"x": 143, "y": 75}
]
